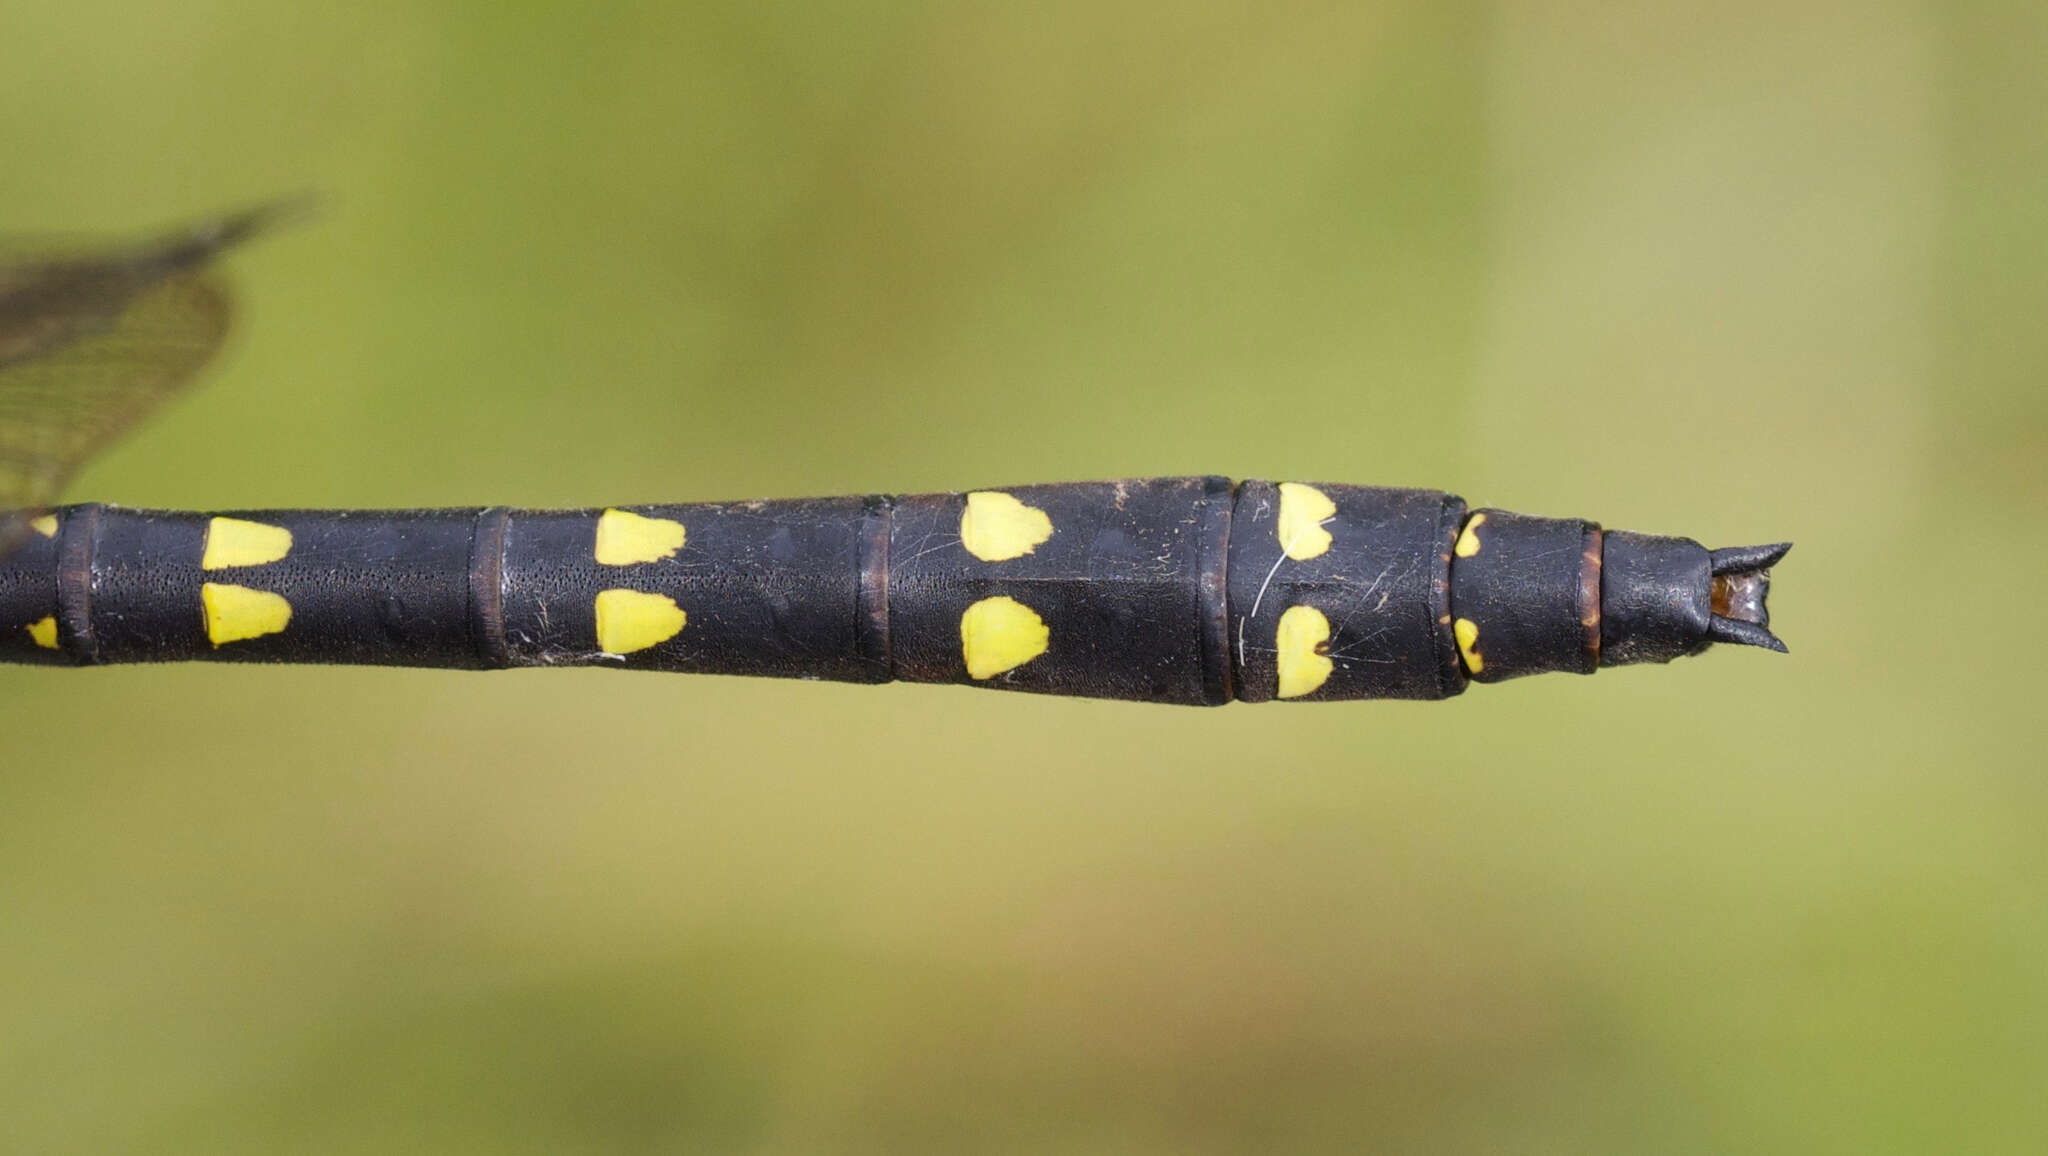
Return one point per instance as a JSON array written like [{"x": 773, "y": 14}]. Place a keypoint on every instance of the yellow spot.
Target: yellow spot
[
  {"x": 628, "y": 539},
  {"x": 999, "y": 634},
  {"x": 1303, "y": 510},
  {"x": 997, "y": 527},
  {"x": 45, "y": 525},
  {"x": 236, "y": 613},
  {"x": 1468, "y": 538},
  {"x": 233, "y": 542},
  {"x": 1467, "y": 632},
  {"x": 1303, "y": 642},
  {"x": 44, "y": 632},
  {"x": 630, "y": 620}
]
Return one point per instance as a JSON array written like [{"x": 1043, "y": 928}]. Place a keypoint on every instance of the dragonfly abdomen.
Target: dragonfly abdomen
[{"x": 1178, "y": 590}]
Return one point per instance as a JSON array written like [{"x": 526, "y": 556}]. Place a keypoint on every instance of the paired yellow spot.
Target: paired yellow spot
[
  {"x": 44, "y": 632},
  {"x": 1303, "y": 510},
  {"x": 1303, "y": 642},
  {"x": 1467, "y": 632},
  {"x": 628, "y": 539},
  {"x": 1468, "y": 538},
  {"x": 45, "y": 525},
  {"x": 232, "y": 542},
  {"x": 1000, "y": 634},
  {"x": 237, "y": 613},
  {"x": 632, "y": 620},
  {"x": 996, "y": 527}
]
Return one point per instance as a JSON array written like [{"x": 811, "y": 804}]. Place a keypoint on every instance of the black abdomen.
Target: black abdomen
[{"x": 1178, "y": 590}]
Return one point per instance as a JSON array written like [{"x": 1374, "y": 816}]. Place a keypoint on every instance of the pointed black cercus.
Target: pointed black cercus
[{"x": 1736, "y": 559}]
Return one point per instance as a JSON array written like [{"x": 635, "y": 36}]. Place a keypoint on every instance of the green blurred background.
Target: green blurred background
[{"x": 1766, "y": 271}]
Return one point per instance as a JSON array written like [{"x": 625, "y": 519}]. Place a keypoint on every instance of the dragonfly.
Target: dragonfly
[{"x": 1192, "y": 590}]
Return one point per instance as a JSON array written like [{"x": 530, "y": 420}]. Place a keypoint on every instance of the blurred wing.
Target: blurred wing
[{"x": 58, "y": 408}]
